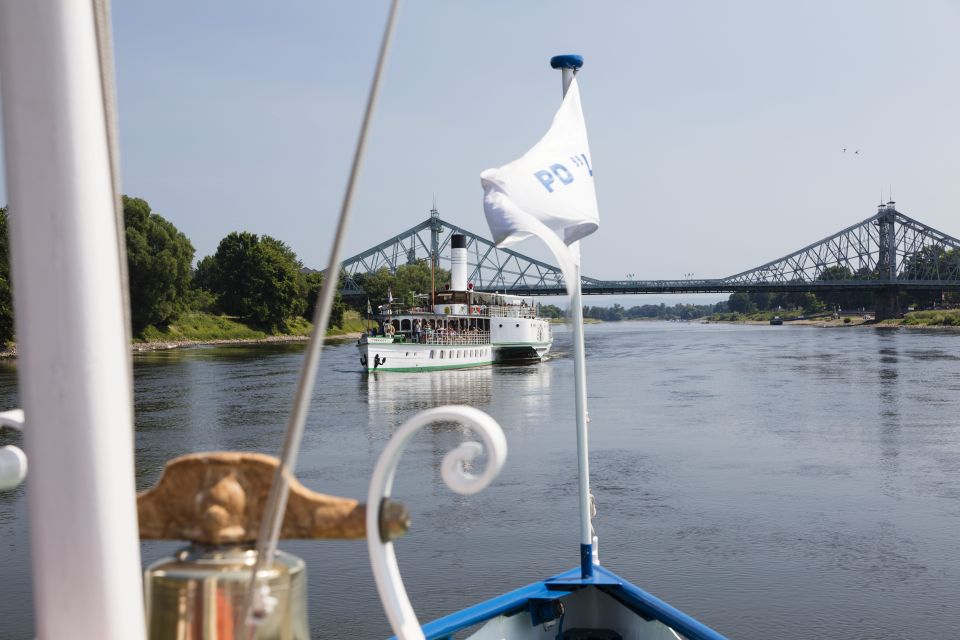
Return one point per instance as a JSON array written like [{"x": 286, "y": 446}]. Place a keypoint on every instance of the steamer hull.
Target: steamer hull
[{"x": 396, "y": 354}]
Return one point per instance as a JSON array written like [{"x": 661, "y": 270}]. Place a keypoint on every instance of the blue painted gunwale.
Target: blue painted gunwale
[{"x": 631, "y": 596}]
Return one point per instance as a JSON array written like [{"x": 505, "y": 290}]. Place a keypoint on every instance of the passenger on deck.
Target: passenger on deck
[{"x": 416, "y": 330}]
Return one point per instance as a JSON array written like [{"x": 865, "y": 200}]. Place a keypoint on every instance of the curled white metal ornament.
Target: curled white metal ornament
[{"x": 383, "y": 560}]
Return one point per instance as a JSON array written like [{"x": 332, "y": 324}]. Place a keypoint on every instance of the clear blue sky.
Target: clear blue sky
[{"x": 716, "y": 128}]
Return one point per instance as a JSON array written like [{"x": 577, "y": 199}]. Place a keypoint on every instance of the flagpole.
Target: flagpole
[{"x": 569, "y": 64}]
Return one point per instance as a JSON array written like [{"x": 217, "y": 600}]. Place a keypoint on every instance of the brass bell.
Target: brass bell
[
  {"x": 200, "y": 593},
  {"x": 216, "y": 501}
]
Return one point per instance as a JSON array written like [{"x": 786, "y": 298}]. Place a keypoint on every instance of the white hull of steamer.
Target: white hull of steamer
[
  {"x": 520, "y": 339},
  {"x": 508, "y": 339},
  {"x": 383, "y": 353}
]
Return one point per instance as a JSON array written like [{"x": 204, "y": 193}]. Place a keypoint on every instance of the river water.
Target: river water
[{"x": 788, "y": 482}]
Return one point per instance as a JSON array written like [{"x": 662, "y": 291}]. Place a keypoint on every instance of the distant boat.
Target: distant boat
[{"x": 776, "y": 320}]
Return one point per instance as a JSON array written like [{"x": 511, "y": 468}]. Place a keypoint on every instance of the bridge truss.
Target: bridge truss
[
  {"x": 887, "y": 253},
  {"x": 489, "y": 267}
]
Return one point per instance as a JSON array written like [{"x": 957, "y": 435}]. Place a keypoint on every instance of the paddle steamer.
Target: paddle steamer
[{"x": 461, "y": 328}]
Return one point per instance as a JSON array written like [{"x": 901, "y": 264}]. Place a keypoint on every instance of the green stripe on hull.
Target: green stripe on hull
[{"x": 432, "y": 368}]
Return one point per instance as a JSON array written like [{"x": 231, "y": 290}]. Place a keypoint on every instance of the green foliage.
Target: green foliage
[
  {"x": 351, "y": 323},
  {"x": 158, "y": 260},
  {"x": 255, "y": 278},
  {"x": 206, "y": 327},
  {"x": 313, "y": 282},
  {"x": 551, "y": 311},
  {"x": 195, "y": 325},
  {"x": 750, "y": 303},
  {"x": 936, "y": 318},
  {"x": 648, "y": 311},
  {"x": 6, "y": 299},
  {"x": 740, "y": 302},
  {"x": 410, "y": 279},
  {"x": 803, "y": 300},
  {"x": 201, "y": 300},
  {"x": 761, "y": 300}
]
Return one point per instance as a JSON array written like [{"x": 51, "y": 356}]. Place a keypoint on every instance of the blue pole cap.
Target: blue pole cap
[{"x": 568, "y": 61}]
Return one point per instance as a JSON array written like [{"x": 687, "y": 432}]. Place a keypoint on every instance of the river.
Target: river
[{"x": 788, "y": 482}]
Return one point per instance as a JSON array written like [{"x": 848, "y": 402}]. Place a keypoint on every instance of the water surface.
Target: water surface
[{"x": 789, "y": 482}]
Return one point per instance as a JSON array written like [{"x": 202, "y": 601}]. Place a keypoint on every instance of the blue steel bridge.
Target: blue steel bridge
[{"x": 886, "y": 254}]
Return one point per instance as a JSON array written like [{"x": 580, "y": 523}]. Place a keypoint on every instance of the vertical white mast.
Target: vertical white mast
[
  {"x": 569, "y": 64},
  {"x": 72, "y": 335}
]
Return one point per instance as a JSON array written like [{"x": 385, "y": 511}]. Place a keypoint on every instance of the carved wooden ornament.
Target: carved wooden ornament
[{"x": 219, "y": 497}]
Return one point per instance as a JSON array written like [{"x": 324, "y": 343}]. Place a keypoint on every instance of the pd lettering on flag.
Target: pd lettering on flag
[{"x": 548, "y": 192}]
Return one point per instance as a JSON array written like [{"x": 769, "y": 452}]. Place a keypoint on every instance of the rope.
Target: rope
[
  {"x": 256, "y": 603},
  {"x": 108, "y": 92}
]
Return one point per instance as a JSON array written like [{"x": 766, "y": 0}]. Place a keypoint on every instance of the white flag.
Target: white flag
[{"x": 548, "y": 192}]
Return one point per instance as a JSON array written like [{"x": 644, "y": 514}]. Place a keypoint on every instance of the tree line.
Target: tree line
[
  {"x": 255, "y": 278},
  {"x": 653, "y": 312}
]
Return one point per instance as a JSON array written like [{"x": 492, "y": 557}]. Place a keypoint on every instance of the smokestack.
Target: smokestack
[{"x": 458, "y": 262}]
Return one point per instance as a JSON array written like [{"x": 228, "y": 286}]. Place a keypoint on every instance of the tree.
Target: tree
[
  {"x": 158, "y": 263},
  {"x": 550, "y": 311},
  {"x": 313, "y": 283},
  {"x": 408, "y": 280},
  {"x": 760, "y": 299},
  {"x": 834, "y": 297},
  {"x": 6, "y": 299},
  {"x": 255, "y": 278},
  {"x": 740, "y": 302}
]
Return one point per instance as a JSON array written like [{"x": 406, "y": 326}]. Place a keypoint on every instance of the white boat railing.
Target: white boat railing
[
  {"x": 488, "y": 311},
  {"x": 468, "y": 338},
  {"x": 509, "y": 311}
]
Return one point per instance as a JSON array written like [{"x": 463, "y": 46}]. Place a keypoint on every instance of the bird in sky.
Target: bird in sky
[
  {"x": 844, "y": 149},
  {"x": 857, "y": 152}
]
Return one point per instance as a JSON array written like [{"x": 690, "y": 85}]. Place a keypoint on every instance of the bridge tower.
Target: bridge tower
[{"x": 887, "y": 299}]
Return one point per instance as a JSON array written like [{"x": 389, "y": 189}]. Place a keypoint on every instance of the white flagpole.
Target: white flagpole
[{"x": 569, "y": 65}]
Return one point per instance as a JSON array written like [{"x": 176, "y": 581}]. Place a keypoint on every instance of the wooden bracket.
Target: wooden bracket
[{"x": 219, "y": 498}]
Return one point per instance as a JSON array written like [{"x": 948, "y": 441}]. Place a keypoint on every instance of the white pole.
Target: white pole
[
  {"x": 568, "y": 66},
  {"x": 70, "y": 321}
]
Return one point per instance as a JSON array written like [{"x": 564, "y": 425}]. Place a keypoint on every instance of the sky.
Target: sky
[{"x": 716, "y": 129}]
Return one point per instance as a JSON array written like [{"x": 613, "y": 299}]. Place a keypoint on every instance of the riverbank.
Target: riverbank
[
  {"x": 946, "y": 319},
  {"x": 196, "y": 328},
  {"x": 163, "y": 346},
  {"x": 10, "y": 351}
]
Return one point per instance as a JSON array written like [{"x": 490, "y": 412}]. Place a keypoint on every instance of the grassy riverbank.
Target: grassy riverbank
[
  {"x": 936, "y": 318},
  {"x": 197, "y": 326}
]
